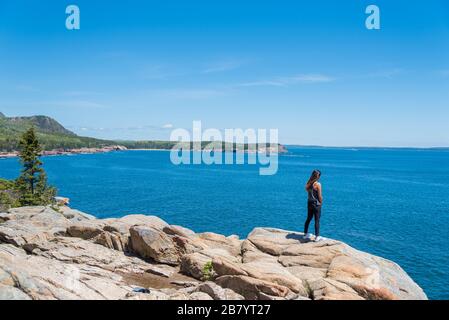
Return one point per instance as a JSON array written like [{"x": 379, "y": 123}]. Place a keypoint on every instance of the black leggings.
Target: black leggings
[{"x": 313, "y": 211}]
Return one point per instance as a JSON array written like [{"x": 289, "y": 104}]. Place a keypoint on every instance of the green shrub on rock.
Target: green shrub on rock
[{"x": 208, "y": 271}]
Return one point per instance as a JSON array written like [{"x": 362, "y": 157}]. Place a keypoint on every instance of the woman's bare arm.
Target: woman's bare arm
[{"x": 320, "y": 193}]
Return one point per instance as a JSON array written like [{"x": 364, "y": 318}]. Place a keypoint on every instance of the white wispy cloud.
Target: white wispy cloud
[
  {"x": 158, "y": 72},
  {"x": 260, "y": 83},
  {"x": 76, "y": 104},
  {"x": 79, "y": 93},
  {"x": 222, "y": 66},
  {"x": 189, "y": 94},
  {"x": 388, "y": 74},
  {"x": 291, "y": 80},
  {"x": 309, "y": 78},
  {"x": 150, "y": 128}
]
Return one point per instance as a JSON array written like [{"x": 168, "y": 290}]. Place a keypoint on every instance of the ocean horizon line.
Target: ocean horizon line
[{"x": 364, "y": 147}]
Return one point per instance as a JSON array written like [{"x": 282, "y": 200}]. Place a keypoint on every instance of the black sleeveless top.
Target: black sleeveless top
[{"x": 313, "y": 196}]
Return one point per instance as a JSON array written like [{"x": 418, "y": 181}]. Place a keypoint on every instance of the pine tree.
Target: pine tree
[{"x": 32, "y": 182}]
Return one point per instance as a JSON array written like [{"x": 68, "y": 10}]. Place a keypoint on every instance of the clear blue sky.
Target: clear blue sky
[{"x": 309, "y": 68}]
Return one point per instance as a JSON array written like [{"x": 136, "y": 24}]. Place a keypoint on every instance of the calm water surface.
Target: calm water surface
[{"x": 392, "y": 203}]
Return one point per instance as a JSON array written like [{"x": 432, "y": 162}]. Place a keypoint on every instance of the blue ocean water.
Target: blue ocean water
[{"x": 390, "y": 202}]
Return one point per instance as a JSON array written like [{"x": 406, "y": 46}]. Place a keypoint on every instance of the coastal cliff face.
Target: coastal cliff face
[{"x": 66, "y": 254}]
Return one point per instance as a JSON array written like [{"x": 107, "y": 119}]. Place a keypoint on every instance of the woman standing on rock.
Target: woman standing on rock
[{"x": 314, "y": 202}]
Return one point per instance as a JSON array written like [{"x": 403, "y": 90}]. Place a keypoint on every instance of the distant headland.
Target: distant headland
[{"x": 57, "y": 140}]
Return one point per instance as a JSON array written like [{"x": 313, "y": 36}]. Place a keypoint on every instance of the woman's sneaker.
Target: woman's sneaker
[
  {"x": 308, "y": 236},
  {"x": 318, "y": 239}
]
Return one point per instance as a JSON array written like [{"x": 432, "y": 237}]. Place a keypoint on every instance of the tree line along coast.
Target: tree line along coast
[{"x": 55, "y": 139}]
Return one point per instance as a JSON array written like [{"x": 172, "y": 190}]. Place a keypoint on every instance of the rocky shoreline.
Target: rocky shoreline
[
  {"x": 61, "y": 253},
  {"x": 60, "y": 152}
]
